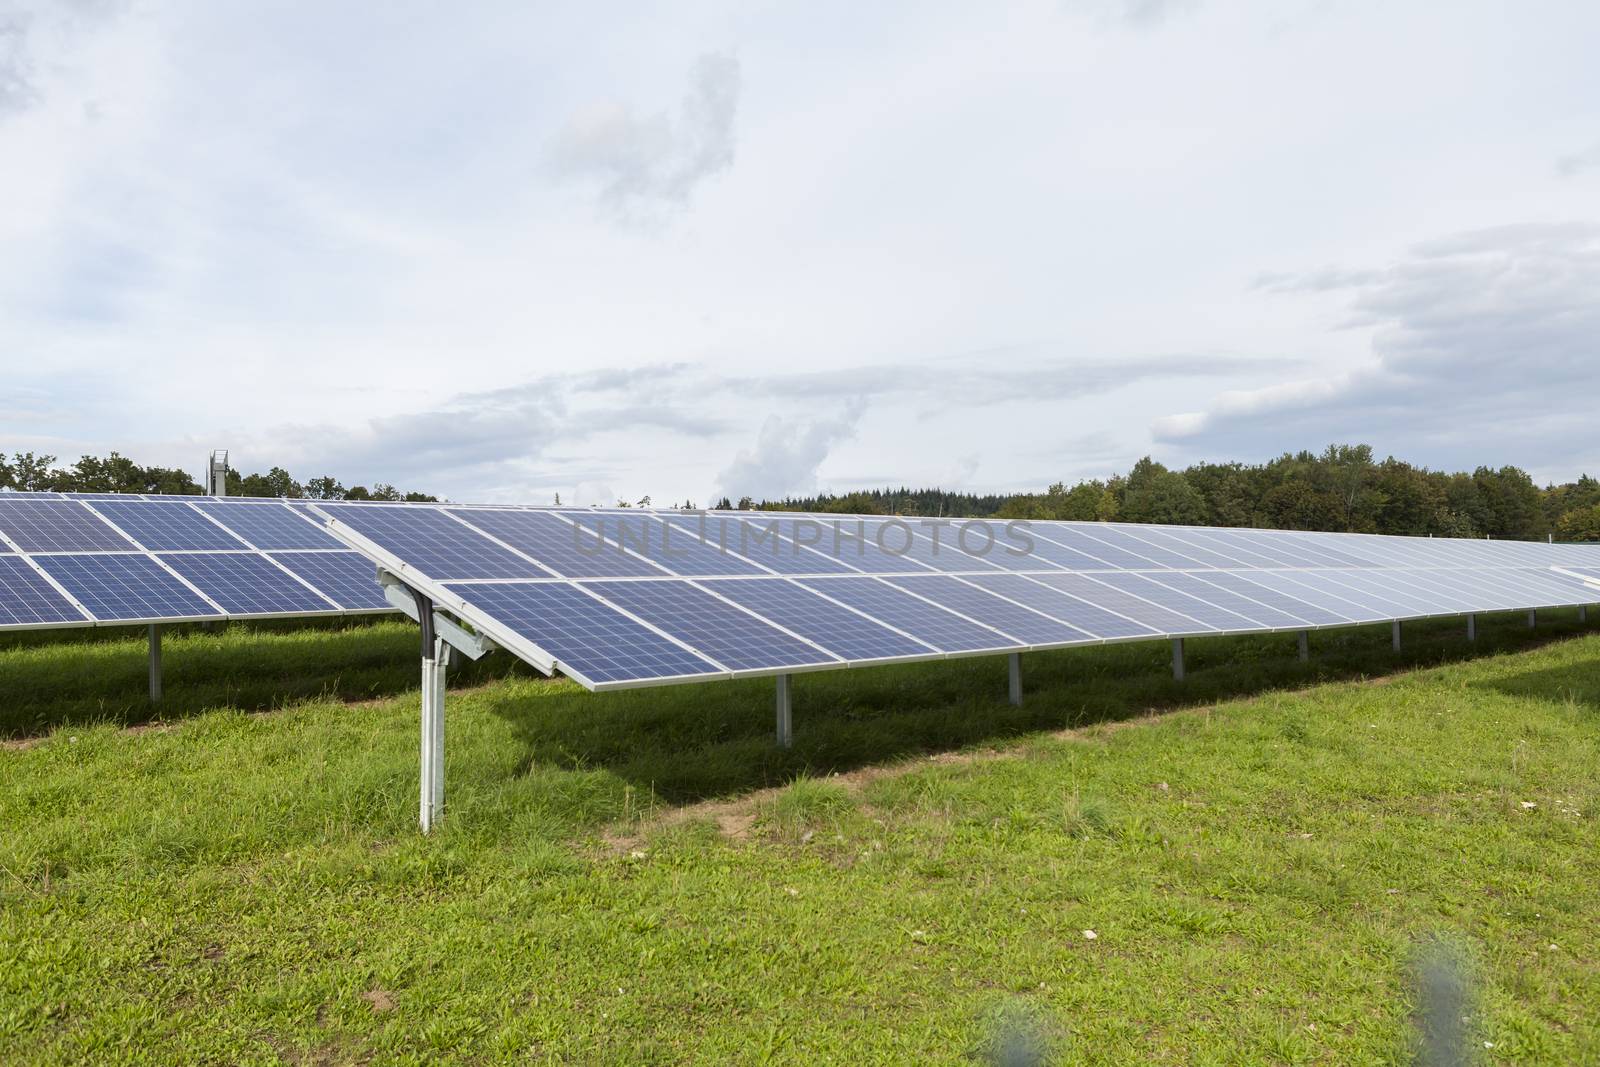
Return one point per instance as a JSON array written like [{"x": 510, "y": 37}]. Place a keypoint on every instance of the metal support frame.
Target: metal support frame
[
  {"x": 1533, "y": 618},
  {"x": 1472, "y": 627},
  {"x": 1014, "y": 676},
  {"x": 785, "y": 720},
  {"x": 155, "y": 663},
  {"x": 1177, "y": 659},
  {"x": 1303, "y": 641},
  {"x": 1583, "y": 613},
  {"x": 1396, "y": 635}
]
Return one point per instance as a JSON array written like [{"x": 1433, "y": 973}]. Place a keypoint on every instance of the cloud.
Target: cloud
[
  {"x": 1484, "y": 344},
  {"x": 1138, "y": 14},
  {"x": 28, "y": 30},
  {"x": 787, "y": 455},
  {"x": 1570, "y": 166},
  {"x": 643, "y": 163}
]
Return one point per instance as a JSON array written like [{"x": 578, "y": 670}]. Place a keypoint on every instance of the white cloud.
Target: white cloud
[
  {"x": 787, "y": 455},
  {"x": 641, "y": 162}
]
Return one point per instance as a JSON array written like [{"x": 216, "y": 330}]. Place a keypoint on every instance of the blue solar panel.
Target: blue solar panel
[
  {"x": 1012, "y": 548},
  {"x": 677, "y": 550},
  {"x": 932, "y": 543},
  {"x": 853, "y": 541},
  {"x": 433, "y": 542},
  {"x": 269, "y": 525},
  {"x": 558, "y": 544},
  {"x": 584, "y": 635},
  {"x": 830, "y": 625},
  {"x": 1246, "y": 585},
  {"x": 246, "y": 584},
  {"x": 778, "y": 544},
  {"x": 1143, "y": 612},
  {"x": 125, "y": 587},
  {"x": 924, "y": 621},
  {"x": 166, "y": 526},
  {"x": 1203, "y": 553},
  {"x": 1321, "y": 587},
  {"x": 1132, "y": 542},
  {"x": 1090, "y": 618},
  {"x": 1400, "y": 602},
  {"x": 1256, "y": 611},
  {"x": 1439, "y": 592},
  {"x": 734, "y": 638},
  {"x": 1182, "y": 603},
  {"x": 1044, "y": 554},
  {"x": 57, "y": 526},
  {"x": 27, "y": 599},
  {"x": 1110, "y": 556},
  {"x": 1020, "y": 622},
  {"x": 1229, "y": 543},
  {"x": 348, "y": 577}
]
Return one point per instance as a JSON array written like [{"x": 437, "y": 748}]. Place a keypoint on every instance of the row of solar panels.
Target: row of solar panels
[
  {"x": 77, "y": 562},
  {"x": 517, "y": 576}
]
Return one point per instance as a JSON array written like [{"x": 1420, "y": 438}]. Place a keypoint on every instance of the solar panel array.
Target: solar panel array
[
  {"x": 87, "y": 559},
  {"x": 620, "y": 598}
]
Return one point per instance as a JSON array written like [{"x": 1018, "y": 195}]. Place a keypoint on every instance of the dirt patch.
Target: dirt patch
[{"x": 379, "y": 1000}]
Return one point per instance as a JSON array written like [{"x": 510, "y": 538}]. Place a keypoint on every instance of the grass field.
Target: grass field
[{"x": 1263, "y": 853}]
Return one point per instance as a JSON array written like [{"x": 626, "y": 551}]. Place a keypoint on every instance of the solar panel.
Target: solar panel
[
  {"x": 1255, "y": 610},
  {"x": 164, "y": 526},
  {"x": 1244, "y": 586},
  {"x": 1091, "y": 589},
  {"x": 1149, "y": 588},
  {"x": 710, "y": 625},
  {"x": 57, "y": 526},
  {"x": 932, "y": 544},
  {"x": 1016, "y": 620},
  {"x": 433, "y": 542},
  {"x": 560, "y": 545},
  {"x": 1109, "y": 555},
  {"x": 125, "y": 587},
  {"x": 268, "y": 526},
  {"x": 675, "y": 550},
  {"x": 776, "y": 544},
  {"x": 1090, "y": 618},
  {"x": 27, "y": 599},
  {"x": 244, "y": 583},
  {"x": 348, "y": 578},
  {"x": 588, "y": 639},
  {"x": 837, "y": 628},
  {"x": 928, "y": 623}
]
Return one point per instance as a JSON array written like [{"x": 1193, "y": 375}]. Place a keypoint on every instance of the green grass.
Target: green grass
[{"x": 1262, "y": 863}]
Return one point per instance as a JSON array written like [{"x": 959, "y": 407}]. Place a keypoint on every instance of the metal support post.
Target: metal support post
[
  {"x": 1472, "y": 627},
  {"x": 785, "y": 725},
  {"x": 1533, "y": 619},
  {"x": 1583, "y": 613},
  {"x": 432, "y": 732},
  {"x": 1396, "y": 637},
  {"x": 1304, "y": 642},
  {"x": 1177, "y": 659},
  {"x": 1014, "y": 671},
  {"x": 155, "y": 663}
]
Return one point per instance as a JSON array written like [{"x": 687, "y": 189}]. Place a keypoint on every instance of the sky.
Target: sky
[{"x": 503, "y": 251}]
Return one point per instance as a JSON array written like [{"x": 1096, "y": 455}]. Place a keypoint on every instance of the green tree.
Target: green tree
[
  {"x": 326, "y": 487},
  {"x": 1155, "y": 494},
  {"x": 1580, "y": 524}
]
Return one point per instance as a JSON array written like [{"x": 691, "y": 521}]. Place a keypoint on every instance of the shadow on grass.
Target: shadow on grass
[
  {"x": 79, "y": 677},
  {"x": 1577, "y": 684},
  {"x": 688, "y": 743}
]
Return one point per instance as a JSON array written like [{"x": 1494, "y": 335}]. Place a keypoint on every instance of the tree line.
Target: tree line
[
  {"x": 1344, "y": 488},
  {"x": 28, "y": 472}
]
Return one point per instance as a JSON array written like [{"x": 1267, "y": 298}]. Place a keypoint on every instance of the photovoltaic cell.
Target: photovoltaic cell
[
  {"x": 1020, "y": 622},
  {"x": 1245, "y": 585},
  {"x": 1133, "y": 543},
  {"x": 1185, "y": 547},
  {"x": 717, "y": 629},
  {"x": 1110, "y": 598},
  {"x": 348, "y": 577},
  {"x": 166, "y": 526},
  {"x": 58, "y": 526},
  {"x": 595, "y": 641},
  {"x": 125, "y": 587},
  {"x": 558, "y": 544},
  {"x": 268, "y": 526},
  {"x": 1087, "y": 617},
  {"x": 914, "y": 540},
  {"x": 761, "y": 540},
  {"x": 833, "y": 626},
  {"x": 1254, "y": 610},
  {"x": 1156, "y": 593},
  {"x": 1112, "y": 557},
  {"x": 433, "y": 542},
  {"x": 27, "y": 599},
  {"x": 247, "y": 584},
  {"x": 1043, "y": 554},
  {"x": 1321, "y": 587},
  {"x": 676, "y": 550},
  {"x": 924, "y": 621}
]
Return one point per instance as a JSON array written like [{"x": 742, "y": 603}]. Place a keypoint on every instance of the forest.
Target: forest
[
  {"x": 115, "y": 473},
  {"x": 1343, "y": 488}
]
